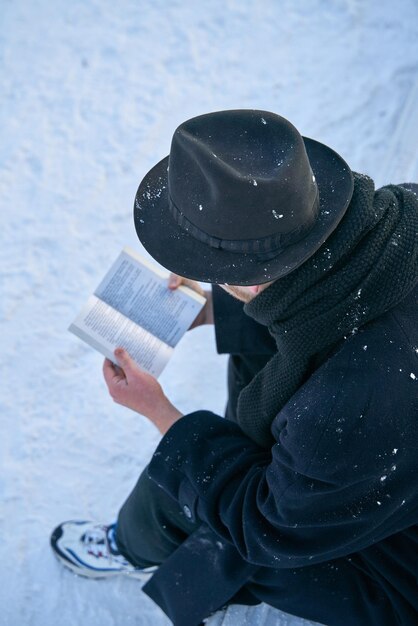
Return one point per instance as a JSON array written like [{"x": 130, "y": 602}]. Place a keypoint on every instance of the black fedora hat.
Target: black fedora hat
[{"x": 242, "y": 198}]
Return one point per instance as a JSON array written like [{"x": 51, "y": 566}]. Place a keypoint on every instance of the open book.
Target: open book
[{"x": 133, "y": 308}]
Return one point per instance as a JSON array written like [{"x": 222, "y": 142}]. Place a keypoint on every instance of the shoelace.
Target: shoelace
[
  {"x": 95, "y": 541},
  {"x": 96, "y": 535},
  {"x": 100, "y": 542}
]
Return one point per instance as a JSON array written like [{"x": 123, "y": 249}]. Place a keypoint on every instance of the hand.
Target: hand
[
  {"x": 205, "y": 315},
  {"x": 139, "y": 391}
]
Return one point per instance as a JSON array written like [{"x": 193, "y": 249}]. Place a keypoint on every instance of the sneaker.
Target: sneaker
[{"x": 90, "y": 549}]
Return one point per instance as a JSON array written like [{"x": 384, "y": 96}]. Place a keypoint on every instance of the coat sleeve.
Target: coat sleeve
[{"x": 341, "y": 476}]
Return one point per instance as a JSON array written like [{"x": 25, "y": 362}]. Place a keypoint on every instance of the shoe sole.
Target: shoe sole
[{"x": 86, "y": 572}]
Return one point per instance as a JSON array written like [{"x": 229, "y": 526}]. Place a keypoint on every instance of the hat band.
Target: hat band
[{"x": 265, "y": 248}]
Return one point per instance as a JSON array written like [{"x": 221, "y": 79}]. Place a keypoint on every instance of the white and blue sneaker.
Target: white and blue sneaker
[{"x": 89, "y": 549}]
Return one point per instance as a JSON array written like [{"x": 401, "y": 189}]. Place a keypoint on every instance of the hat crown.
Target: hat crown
[
  {"x": 241, "y": 199},
  {"x": 242, "y": 175}
]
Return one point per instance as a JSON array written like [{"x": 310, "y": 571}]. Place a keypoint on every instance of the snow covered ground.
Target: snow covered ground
[{"x": 91, "y": 91}]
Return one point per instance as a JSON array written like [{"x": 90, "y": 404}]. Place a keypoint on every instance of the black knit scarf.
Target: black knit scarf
[{"x": 366, "y": 267}]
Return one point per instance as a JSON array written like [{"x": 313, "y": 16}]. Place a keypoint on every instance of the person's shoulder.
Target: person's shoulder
[
  {"x": 384, "y": 348},
  {"x": 363, "y": 396}
]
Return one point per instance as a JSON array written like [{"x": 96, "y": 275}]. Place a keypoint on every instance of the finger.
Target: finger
[
  {"x": 107, "y": 367},
  {"x": 112, "y": 372},
  {"x": 108, "y": 372},
  {"x": 193, "y": 284},
  {"x": 118, "y": 370},
  {"x": 174, "y": 281}
]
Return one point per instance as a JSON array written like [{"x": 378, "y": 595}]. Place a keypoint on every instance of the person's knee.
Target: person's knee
[{"x": 151, "y": 524}]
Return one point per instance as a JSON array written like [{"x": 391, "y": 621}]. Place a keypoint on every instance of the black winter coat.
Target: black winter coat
[{"x": 323, "y": 526}]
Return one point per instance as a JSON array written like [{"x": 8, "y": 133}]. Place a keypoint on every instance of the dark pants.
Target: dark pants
[{"x": 151, "y": 526}]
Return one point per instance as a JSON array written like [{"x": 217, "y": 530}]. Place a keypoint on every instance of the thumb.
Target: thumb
[
  {"x": 174, "y": 281},
  {"x": 124, "y": 360}
]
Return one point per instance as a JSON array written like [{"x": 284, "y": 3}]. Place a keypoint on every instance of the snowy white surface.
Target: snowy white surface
[{"x": 91, "y": 92}]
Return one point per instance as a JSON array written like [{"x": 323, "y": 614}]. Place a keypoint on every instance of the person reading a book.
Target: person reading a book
[{"x": 305, "y": 497}]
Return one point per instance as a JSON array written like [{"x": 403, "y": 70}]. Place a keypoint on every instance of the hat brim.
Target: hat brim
[{"x": 179, "y": 252}]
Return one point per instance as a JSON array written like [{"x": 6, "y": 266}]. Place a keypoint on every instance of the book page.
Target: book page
[
  {"x": 105, "y": 329},
  {"x": 139, "y": 291}
]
